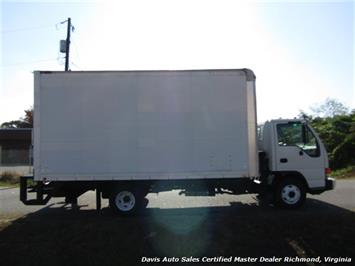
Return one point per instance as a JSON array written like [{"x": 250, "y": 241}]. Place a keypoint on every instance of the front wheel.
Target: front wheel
[{"x": 290, "y": 193}]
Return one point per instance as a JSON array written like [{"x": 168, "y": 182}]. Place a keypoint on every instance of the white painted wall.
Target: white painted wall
[{"x": 20, "y": 170}]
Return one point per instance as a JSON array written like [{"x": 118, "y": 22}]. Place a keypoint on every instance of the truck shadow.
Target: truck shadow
[{"x": 61, "y": 236}]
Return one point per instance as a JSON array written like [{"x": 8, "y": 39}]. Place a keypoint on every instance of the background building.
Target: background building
[{"x": 16, "y": 150}]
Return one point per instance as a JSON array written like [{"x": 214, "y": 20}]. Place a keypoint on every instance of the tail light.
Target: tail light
[{"x": 328, "y": 171}]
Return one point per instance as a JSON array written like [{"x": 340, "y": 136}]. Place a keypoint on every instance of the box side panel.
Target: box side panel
[{"x": 131, "y": 125}]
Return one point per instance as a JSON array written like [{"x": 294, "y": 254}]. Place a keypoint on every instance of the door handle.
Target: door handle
[{"x": 283, "y": 160}]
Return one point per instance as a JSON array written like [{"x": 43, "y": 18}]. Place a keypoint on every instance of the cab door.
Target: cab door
[{"x": 298, "y": 149}]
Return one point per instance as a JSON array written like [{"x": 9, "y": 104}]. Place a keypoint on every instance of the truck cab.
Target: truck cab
[{"x": 296, "y": 160}]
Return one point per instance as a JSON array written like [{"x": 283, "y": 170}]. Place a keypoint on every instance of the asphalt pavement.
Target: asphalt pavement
[{"x": 343, "y": 196}]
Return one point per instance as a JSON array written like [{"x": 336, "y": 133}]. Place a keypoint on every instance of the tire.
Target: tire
[
  {"x": 290, "y": 193},
  {"x": 125, "y": 201}
]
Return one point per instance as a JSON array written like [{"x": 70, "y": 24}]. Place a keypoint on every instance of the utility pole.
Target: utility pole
[{"x": 67, "y": 46}]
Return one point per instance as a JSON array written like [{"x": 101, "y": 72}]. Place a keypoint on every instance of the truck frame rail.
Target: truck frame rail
[{"x": 27, "y": 185}]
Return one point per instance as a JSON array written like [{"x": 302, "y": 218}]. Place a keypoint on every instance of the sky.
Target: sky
[{"x": 301, "y": 52}]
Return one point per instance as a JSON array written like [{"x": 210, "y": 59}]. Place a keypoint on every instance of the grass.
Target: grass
[
  {"x": 9, "y": 179},
  {"x": 7, "y": 185},
  {"x": 347, "y": 172}
]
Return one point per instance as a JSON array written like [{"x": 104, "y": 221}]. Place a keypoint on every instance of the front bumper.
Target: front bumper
[{"x": 329, "y": 185}]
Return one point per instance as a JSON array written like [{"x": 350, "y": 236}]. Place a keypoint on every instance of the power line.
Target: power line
[
  {"x": 26, "y": 29},
  {"x": 28, "y": 63},
  {"x": 71, "y": 62},
  {"x": 75, "y": 48}
]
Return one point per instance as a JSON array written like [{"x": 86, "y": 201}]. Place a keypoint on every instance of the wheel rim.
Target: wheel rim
[
  {"x": 125, "y": 201},
  {"x": 291, "y": 194}
]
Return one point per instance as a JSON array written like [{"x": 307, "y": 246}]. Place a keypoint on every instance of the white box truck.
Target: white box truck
[{"x": 128, "y": 133}]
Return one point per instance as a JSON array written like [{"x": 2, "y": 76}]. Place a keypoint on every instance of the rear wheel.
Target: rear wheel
[
  {"x": 125, "y": 201},
  {"x": 290, "y": 193}
]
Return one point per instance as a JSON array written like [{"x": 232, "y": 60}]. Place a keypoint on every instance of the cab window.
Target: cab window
[{"x": 298, "y": 134}]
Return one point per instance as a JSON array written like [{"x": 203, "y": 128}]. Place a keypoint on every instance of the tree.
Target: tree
[
  {"x": 330, "y": 108},
  {"x": 344, "y": 151},
  {"x": 303, "y": 115},
  {"x": 23, "y": 122},
  {"x": 336, "y": 127}
]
